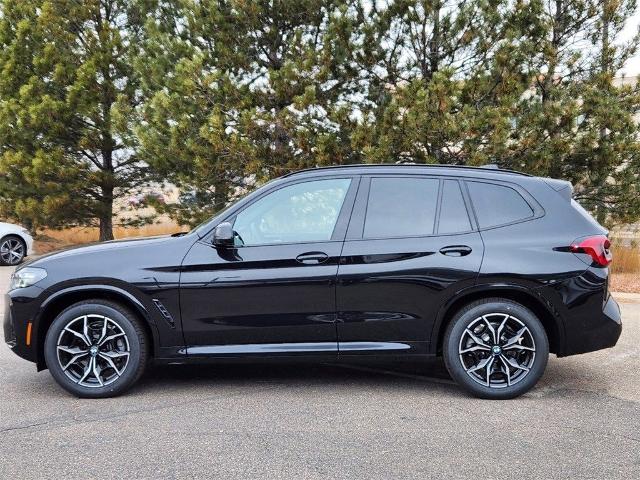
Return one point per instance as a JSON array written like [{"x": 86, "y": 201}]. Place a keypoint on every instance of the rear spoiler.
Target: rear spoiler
[{"x": 564, "y": 188}]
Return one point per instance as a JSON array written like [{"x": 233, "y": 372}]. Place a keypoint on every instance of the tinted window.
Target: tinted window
[
  {"x": 497, "y": 204},
  {"x": 303, "y": 212},
  {"x": 453, "y": 213},
  {"x": 400, "y": 207}
]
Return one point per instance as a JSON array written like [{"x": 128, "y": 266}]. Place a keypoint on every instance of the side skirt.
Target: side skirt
[{"x": 306, "y": 352}]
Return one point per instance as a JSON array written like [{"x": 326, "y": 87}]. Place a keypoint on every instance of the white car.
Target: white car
[{"x": 15, "y": 244}]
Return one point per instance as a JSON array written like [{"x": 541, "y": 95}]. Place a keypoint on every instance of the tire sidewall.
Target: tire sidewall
[
  {"x": 136, "y": 354},
  {"x": 468, "y": 315}
]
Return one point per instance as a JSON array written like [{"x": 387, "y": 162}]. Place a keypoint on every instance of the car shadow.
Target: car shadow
[
  {"x": 202, "y": 380},
  {"x": 297, "y": 374}
]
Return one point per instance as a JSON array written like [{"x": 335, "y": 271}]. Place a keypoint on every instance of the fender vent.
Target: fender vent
[{"x": 165, "y": 313}]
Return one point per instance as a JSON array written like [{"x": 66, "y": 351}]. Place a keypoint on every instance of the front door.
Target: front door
[
  {"x": 273, "y": 292},
  {"x": 411, "y": 245}
]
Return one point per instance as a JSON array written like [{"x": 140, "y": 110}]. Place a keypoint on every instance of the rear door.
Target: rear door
[{"x": 411, "y": 244}]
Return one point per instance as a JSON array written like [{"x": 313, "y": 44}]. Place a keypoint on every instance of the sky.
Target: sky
[{"x": 632, "y": 66}]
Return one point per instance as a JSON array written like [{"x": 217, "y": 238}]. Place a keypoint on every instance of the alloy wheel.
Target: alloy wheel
[
  {"x": 93, "y": 351},
  {"x": 12, "y": 251},
  {"x": 497, "y": 350}
]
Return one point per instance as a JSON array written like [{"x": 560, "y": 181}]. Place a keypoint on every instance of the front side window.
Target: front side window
[
  {"x": 401, "y": 207},
  {"x": 497, "y": 204},
  {"x": 303, "y": 212}
]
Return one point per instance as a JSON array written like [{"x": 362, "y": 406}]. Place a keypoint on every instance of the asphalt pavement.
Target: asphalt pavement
[{"x": 321, "y": 421}]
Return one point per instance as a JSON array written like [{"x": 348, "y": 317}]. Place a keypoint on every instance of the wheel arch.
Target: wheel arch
[
  {"x": 15, "y": 234},
  {"x": 55, "y": 304},
  {"x": 525, "y": 296}
]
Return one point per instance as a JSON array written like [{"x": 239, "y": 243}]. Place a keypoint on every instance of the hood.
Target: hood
[
  {"x": 93, "y": 248},
  {"x": 11, "y": 226}
]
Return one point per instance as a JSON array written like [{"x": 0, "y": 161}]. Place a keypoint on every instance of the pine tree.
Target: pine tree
[
  {"x": 430, "y": 94},
  {"x": 218, "y": 95},
  {"x": 573, "y": 122},
  {"x": 251, "y": 90},
  {"x": 609, "y": 181},
  {"x": 67, "y": 98}
]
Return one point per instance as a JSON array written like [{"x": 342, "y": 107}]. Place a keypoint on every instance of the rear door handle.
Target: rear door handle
[
  {"x": 312, "y": 258},
  {"x": 456, "y": 250}
]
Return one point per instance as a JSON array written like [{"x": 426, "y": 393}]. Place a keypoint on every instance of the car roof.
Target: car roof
[{"x": 485, "y": 171}]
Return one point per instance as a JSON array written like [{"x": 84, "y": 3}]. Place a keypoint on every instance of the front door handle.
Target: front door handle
[
  {"x": 312, "y": 258},
  {"x": 455, "y": 250}
]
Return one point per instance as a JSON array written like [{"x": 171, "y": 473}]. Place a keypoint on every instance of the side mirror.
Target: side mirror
[{"x": 223, "y": 235}]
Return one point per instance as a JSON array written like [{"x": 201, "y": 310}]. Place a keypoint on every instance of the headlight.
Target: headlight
[
  {"x": 26, "y": 232},
  {"x": 25, "y": 277}
]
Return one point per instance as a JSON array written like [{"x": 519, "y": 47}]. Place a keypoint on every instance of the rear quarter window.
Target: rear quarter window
[
  {"x": 453, "y": 212},
  {"x": 497, "y": 204}
]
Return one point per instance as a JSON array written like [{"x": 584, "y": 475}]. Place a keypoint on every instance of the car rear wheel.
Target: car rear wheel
[
  {"x": 96, "y": 349},
  {"x": 12, "y": 250},
  {"x": 496, "y": 349}
]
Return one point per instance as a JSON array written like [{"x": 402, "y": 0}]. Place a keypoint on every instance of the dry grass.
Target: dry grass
[
  {"x": 625, "y": 259},
  {"x": 50, "y": 240},
  {"x": 625, "y": 269}
]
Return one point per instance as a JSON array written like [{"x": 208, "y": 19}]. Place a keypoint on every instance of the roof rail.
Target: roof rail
[{"x": 418, "y": 165}]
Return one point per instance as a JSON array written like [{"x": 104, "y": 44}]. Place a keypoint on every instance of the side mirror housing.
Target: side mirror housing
[{"x": 223, "y": 235}]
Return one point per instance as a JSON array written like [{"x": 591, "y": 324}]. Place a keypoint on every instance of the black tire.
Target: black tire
[
  {"x": 14, "y": 238},
  {"x": 134, "y": 338},
  {"x": 508, "y": 381}
]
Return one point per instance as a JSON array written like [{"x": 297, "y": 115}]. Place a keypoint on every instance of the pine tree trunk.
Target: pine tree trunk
[
  {"x": 106, "y": 200},
  {"x": 106, "y": 214},
  {"x": 106, "y": 228},
  {"x": 434, "y": 45},
  {"x": 107, "y": 147}
]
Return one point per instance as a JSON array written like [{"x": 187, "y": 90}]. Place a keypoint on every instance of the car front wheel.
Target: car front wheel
[
  {"x": 96, "y": 349},
  {"x": 496, "y": 348},
  {"x": 12, "y": 250}
]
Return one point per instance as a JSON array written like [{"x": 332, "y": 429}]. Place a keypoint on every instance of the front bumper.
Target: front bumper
[
  {"x": 7, "y": 324},
  {"x": 20, "y": 311}
]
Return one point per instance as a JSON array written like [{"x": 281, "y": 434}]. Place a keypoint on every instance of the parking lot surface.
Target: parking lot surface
[{"x": 322, "y": 421}]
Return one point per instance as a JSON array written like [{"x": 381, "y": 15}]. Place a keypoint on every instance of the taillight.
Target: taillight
[{"x": 597, "y": 247}]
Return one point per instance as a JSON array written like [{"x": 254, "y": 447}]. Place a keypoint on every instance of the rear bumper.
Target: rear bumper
[
  {"x": 602, "y": 331},
  {"x": 588, "y": 318}
]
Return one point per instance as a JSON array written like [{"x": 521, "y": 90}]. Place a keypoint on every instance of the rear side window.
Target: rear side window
[
  {"x": 497, "y": 204},
  {"x": 453, "y": 213},
  {"x": 401, "y": 207}
]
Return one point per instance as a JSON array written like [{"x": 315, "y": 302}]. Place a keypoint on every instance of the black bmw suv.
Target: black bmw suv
[{"x": 491, "y": 269}]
